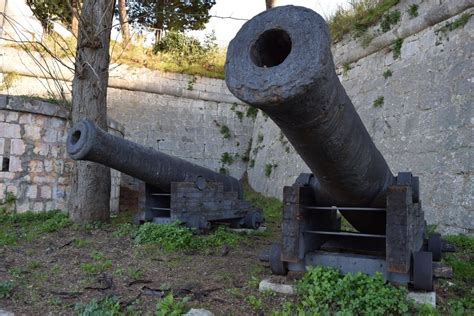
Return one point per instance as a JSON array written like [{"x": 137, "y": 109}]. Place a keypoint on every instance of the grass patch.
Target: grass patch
[
  {"x": 323, "y": 291},
  {"x": 358, "y": 18},
  {"x": 272, "y": 207},
  {"x": 125, "y": 230},
  {"x": 108, "y": 306},
  {"x": 175, "y": 237},
  {"x": 267, "y": 171},
  {"x": 29, "y": 225},
  {"x": 227, "y": 159}
]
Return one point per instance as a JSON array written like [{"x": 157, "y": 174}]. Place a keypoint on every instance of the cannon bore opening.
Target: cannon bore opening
[
  {"x": 271, "y": 48},
  {"x": 75, "y": 137}
]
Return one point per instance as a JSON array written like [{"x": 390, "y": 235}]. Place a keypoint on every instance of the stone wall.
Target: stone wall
[
  {"x": 35, "y": 166},
  {"x": 424, "y": 125}
]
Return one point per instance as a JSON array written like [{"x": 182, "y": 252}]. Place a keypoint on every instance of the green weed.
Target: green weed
[
  {"x": 325, "y": 291},
  {"x": 254, "y": 302},
  {"x": 378, "y": 102},
  {"x": 227, "y": 159},
  {"x": 108, "y": 306},
  {"x": 387, "y": 73},
  {"x": 225, "y": 131},
  {"x": 267, "y": 171},
  {"x": 389, "y": 20},
  {"x": 251, "y": 112},
  {"x": 413, "y": 11},
  {"x": 96, "y": 267},
  {"x": 458, "y": 23},
  {"x": 6, "y": 289},
  {"x": 397, "y": 48},
  {"x": 125, "y": 230},
  {"x": 168, "y": 306},
  {"x": 175, "y": 237}
]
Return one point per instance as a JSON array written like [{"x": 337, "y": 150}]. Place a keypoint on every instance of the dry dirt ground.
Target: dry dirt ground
[{"x": 58, "y": 270}]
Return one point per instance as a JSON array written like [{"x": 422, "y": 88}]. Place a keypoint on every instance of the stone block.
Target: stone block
[
  {"x": 267, "y": 285},
  {"x": 35, "y": 166},
  {"x": 17, "y": 147},
  {"x": 31, "y": 192},
  {"x": 10, "y": 130},
  {"x": 38, "y": 207},
  {"x": 32, "y": 133},
  {"x": 2, "y": 146},
  {"x": 11, "y": 117},
  {"x": 13, "y": 189},
  {"x": 25, "y": 118},
  {"x": 45, "y": 192},
  {"x": 15, "y": 164},
  {"x": 50, "y": 136},
  {"x": 428, "y": 298},
  {"x": 41, "y": 149}
]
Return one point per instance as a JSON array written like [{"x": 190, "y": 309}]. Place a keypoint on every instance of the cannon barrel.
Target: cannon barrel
[
  {"x": 280, "y": 62},
  {"x": 86, "y": 141}
]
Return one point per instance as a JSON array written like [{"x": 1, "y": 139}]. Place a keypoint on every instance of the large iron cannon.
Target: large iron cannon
[
  {"x": 175, "y": 188},
  {"x": 280, "y": 62}
]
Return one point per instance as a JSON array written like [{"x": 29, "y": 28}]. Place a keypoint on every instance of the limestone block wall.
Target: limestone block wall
[
  {"x": 35, "y": 166},
  {"x": 425, "y": 124}
]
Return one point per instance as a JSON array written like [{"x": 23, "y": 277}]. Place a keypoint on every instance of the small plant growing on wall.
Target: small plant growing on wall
[
  {"x": 227, "y": 159},
  {"x": 389, "y": 20},
  {"x": 259, "y": 138},
  {"x": 223, "y": 170},
  {"x": 345, "y": 68},
  {"x": 225, "y": 131},
  {"x": 269, "y": 168},
  {"x": 387, "y": 73},
  {"x": 252, "y": 163},
  {"x": 191, "y": 81},
  {"x": 413, "y": 11},
  {"x": 397, "y": 48},
  {"x": 251, "y": 112},
  {"x": 378, "y": 102}
]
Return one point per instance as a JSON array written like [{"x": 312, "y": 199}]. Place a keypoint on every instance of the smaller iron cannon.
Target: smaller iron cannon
[{"x": 175, "y": 189}]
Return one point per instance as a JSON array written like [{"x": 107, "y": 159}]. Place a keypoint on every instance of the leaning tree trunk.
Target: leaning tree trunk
[
  {"x": 90, "y": 193},
  {"x": 270, "y": 3},
  {"x": 122, "y": 10}
]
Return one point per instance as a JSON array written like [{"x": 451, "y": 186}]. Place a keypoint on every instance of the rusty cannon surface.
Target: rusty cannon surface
[
  {"x": 281, "y": 63},
  {"x": 175, "y": 188}
]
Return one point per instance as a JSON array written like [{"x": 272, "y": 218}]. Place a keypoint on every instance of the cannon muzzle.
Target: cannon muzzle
[
  {"x": 280, "y": 62},
  {"x": 86, "y": 141}
]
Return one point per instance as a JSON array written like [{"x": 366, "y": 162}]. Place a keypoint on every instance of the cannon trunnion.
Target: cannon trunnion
[
  {"x": 281, "y": 63},
  {"x": 175, "y": 189}
]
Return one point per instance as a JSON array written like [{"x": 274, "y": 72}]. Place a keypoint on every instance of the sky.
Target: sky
[{"x": 225, "y": 29}]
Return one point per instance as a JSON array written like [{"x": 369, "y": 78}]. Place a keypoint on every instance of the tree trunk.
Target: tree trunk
[
  {"x": 74, "y": 17},
  {"x": 90, "y": 194},
  {"x": 270, "y": 3},
  {"x": 122, "y": 10}
]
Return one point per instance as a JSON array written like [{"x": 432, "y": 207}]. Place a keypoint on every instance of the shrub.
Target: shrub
[{"x": 186, "y": 50}]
